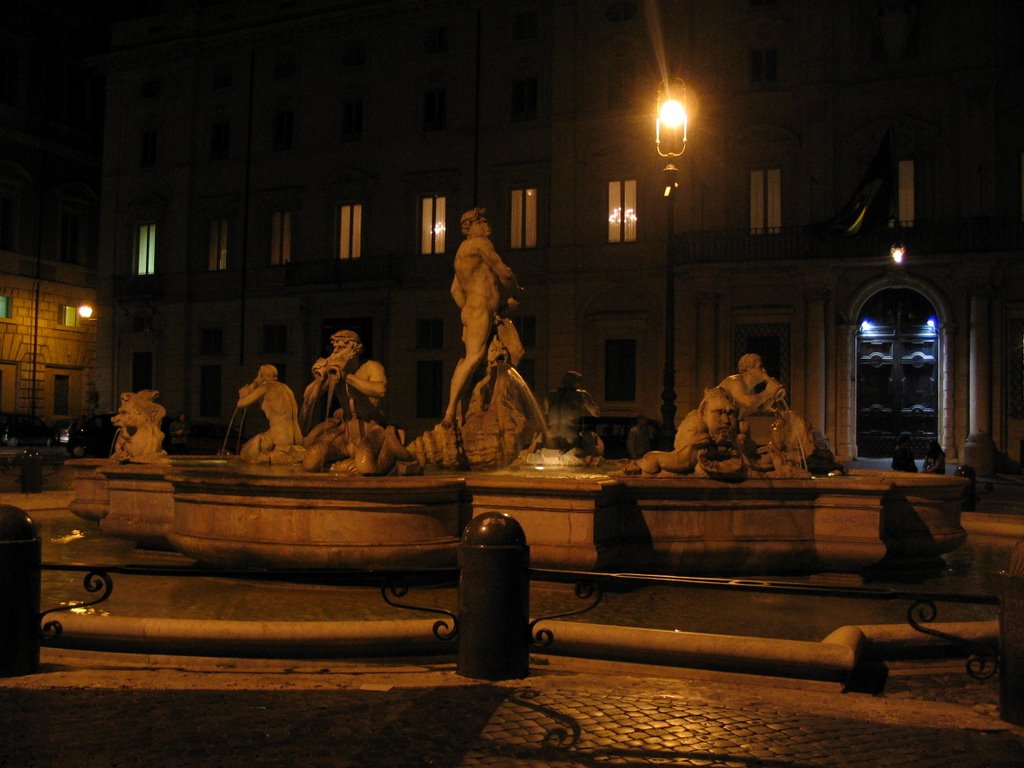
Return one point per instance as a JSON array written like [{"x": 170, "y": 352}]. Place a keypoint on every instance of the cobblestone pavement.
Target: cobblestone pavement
[{"x": 98, "y": 710}]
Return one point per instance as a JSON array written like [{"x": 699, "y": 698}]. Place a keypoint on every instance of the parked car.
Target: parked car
[
  {"x": 21, "y": 429},
  {"x": 92, "y": 436},
  {"x": 61, "y": 430}
]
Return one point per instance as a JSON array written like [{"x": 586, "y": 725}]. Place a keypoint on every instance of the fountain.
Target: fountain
[{"x": 748, "y": 487}]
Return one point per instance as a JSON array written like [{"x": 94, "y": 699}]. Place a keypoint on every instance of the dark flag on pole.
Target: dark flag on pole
[{"x": 869, "y": 206}]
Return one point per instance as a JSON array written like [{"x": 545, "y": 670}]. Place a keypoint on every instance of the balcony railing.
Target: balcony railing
[{"x": 948, "y": 236}]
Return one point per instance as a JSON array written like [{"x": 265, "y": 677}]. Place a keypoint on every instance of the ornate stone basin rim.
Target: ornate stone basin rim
[{"x": 223, "y": 514}]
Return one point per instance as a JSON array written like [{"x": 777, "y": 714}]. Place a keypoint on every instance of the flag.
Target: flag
[{"x": 869, "y": 206}]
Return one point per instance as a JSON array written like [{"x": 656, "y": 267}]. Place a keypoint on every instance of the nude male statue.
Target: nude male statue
[
  {"x": 483, "y": 286},
  {"x": 282, "y": 442}
]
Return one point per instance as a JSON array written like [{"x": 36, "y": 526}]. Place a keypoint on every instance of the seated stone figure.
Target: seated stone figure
[
  {"x": 752, "y": 388},
  {"x": 282, "y": 442},
  {"x": 139, "y": 437},
  {"x": 354, "y": 439},
  {"x": 708, "y": 443},
  {"x": 565, "y": 409}
]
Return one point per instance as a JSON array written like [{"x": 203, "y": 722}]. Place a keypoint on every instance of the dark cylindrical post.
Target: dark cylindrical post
[
  {"x": 20, "y": 551},
  {"x": 494, "y": 599},
  {"x": 31, "y": 471},
  {"x": 1011, "y": 640}
]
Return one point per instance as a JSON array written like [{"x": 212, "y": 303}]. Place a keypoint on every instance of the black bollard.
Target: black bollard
[
  {"x": 31, "y": 471},
  {"x": 494, "y": 599},
  {"x": 20, "y": 552},
  {"x": 1011, "y": 640}
]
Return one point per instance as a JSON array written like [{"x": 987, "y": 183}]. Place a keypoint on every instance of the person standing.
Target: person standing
[
  {"x": 640, "y": 437},
  {"x": 179, "y": 430}
]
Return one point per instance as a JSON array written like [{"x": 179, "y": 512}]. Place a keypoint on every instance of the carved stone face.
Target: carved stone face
[
  {"x": 345, "y": 346},
  {"x": 721, "y": 419},
  {"x": 479, "y": 228}
]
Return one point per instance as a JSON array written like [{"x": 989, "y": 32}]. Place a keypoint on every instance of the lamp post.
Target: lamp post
[{"x": 670, "y": 140}]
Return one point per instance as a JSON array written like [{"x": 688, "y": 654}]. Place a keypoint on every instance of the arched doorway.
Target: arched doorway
[{"x": 897, "y": 372}]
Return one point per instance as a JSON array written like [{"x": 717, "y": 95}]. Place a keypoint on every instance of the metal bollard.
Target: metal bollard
[
  {"x": 1011, "y": 640},
  {"x": 494, "y": 599},
  {"x": 20, "y": 552},
  {"x": 31, "y": 471}
]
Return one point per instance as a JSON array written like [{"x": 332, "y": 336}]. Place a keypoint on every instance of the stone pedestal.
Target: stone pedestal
[{"x": 979, "y": 453}]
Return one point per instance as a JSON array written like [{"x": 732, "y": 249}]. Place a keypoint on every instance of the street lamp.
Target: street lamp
[{"x": 670, "y": 127}]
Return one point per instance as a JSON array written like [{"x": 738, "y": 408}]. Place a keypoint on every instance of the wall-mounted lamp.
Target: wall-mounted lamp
[
  {"x": 85, "y": 311},
  {"x": 897, "y": 251}
]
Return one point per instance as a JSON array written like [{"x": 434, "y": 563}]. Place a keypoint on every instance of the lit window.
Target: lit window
[
  {"x": 280, "y": 238},
  {"x": 523, "y": 219},
  {"x": 765, "y": 201},
  {"x": 350, "y": 231},
  {"x": 905, "y": 174},
  {"x": 145, "y": 263},
  {"x": 6, "y": 306},
  {"x": 622, "y": 211},
  {"x": 218, "y": 256},
  {"x": 68, "y": 316},
  {"x": 432, "y": 227}
]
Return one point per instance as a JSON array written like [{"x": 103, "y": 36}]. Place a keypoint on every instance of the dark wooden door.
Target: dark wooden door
[{"x": 897, "y": 366}]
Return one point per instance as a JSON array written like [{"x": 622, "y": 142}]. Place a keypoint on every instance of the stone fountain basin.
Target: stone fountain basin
[{"x": 217, "y": 511}]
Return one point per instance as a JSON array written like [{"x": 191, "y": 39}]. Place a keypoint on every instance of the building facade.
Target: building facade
[
  {"x": 51, "y": 120},
  {"x": 275, "y": 171}
]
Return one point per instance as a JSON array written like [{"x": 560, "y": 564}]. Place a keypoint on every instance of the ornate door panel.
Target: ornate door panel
[{"x": 897, "y": 365}]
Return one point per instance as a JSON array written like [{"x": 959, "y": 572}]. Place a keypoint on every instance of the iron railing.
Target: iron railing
[{"x": 982, "y": 662}]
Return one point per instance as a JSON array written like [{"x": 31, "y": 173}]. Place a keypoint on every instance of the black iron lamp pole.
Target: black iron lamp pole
[{"x": 670, "y": 140}]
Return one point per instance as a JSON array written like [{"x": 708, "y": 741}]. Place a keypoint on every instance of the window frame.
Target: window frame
[
  {"x": 765, "y": 201},
  {"x": 145, "y": 240},
  {"x": 349, "y": 235},
  {"x": 433, "y": 224},
  {"x": 622, "y": 218},
  {"x": 280, "y": 237},
  {"x": 217, "y": 247},
  {"x": 523, "y": 218}
]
